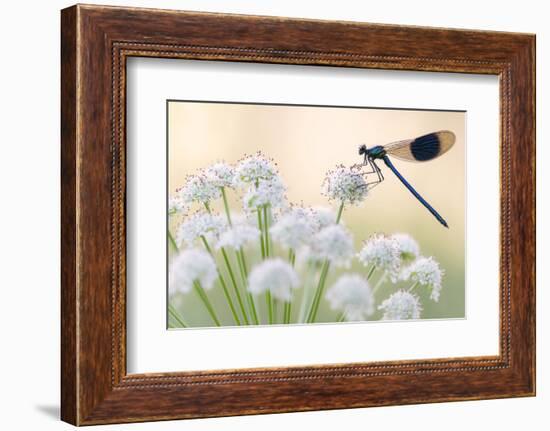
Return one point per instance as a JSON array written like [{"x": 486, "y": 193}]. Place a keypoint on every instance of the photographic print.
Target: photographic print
[{"x": 301, "y": 214}]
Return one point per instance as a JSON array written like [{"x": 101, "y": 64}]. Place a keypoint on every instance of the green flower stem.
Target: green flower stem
[
  {"x": 265, "y": 233},
  {"x": 413, "y": 286},
  {"x": 249, "y": 295},
  {"x": 175, "y": 315},
  {"x": 206, "y": 245},
  {"x": 239, "y": 255},
  {"x": 226, "y": 206},
  {"x": 223, "y": 284},
  {"x": 266, "y": 230},
  {"x": 202, "y": 294},
  {"x": 269, "y": 303},
  {"x": 318, "y": 293},
  {"x": 304, "y": 304},
  {"x": 287, "y": 312},
  {"x": 275, "y": 310},
  {"x": 260, "y": 225},
  {"x": 340, "y": 211},
  {"x": 241, "y": 271},
  {"x": 235, "y": 285},
  {"x": 291, "y": 257},
  {"x": 371, "y": 271},
  {"x": 322, "y": 279},
  {"x": 341, "y": 317},
  {"x": 381, "y": 280},
  {"x": 207, "y": 206},
  {"x": 288, "y": 304},
  {"x": 172, "y": 242}
]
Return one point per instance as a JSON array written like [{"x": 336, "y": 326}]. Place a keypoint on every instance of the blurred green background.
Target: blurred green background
[{"x": 305, "y": 142}]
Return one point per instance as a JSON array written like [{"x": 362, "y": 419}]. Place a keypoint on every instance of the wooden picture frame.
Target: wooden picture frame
[{"x": 96, "y": 41}]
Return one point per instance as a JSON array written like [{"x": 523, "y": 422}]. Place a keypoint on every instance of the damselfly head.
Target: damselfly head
[{"x": 362, "y": 149}]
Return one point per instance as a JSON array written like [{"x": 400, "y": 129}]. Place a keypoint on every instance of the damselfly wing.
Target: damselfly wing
[{"x": 423, "y": 148}]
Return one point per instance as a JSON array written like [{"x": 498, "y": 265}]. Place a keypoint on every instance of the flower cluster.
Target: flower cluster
[
  {"x": 426, "y": 272},
  {"x": 333, "y": 243},
  {"x": 382, "y": 252},
  {"x": 323, "y": 216},
  {"x": 294, "y": 229},
  {"x": 198, "y": 188},
  {"x": 176, "y": 205},
  {"x": 408, "y": 247},
  {"x": 254, "y": 169},
  {"x": 198, "y": 226},
  {"x": 352, "y": 296},
  {"x": 238, "y": 236},
  {"x": 275, "y": 276},
  {"x": 240, "y": 253},
  {"x": 266, "y": 193},
  {"x": 401, "y": 305},
  {"x": 189, "y": 267},
  {"x": 345, "y": 185},
  {"x": 220, "y": 174}
]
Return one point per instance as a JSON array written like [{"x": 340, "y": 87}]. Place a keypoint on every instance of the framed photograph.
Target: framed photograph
[{"x": 322, "y": 214}]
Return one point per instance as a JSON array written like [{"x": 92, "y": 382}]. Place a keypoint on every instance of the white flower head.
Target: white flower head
[
  {"x": 426, "y": 272},
  {"x": 334, "y": 243},
  {"x": 198, "y": 225},
  {"x": 275, "y": 276},
  {"x": 254, "y": 169},
  {"x": 401, "y": 305},
  {"x": 198, "y": 188},
  {"x": 270, "y": 193},
  {"x": 299, "y": 211},
  {"x": 324, "y": 216},
  {"x": 220, "y": 174},
  {"x": 345, "y": 185},
  {"x": 176, "y": 205},
  {"x": 293, "y": 229},
  {"x": 408, "y": 247},
  {"x": 382, "y": 252},
  {"x": 238, "y": 236},
  {"x": 246, "y": 218},
  {"x": 191, "y": 266},
  {"x": 352, "y": 295}
]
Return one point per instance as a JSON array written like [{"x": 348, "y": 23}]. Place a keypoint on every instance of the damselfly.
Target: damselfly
[{"x": 421, "y": 149}]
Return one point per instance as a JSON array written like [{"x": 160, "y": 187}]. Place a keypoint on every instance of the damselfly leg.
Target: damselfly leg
[{"x": 374, "y": 170}]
